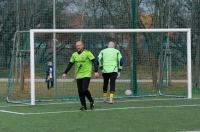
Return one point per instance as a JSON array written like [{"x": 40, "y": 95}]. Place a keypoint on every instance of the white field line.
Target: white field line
[
  {"x": 99, "y": 101},
  {"x": 11, "y": 112},
  {"x": 96, "y": 110},
  {"x": 100, "y": 80},
  {"x": 191, "y": 131}
]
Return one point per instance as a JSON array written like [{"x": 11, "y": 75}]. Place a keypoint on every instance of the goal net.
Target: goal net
[{"x": 157, "y": 62}]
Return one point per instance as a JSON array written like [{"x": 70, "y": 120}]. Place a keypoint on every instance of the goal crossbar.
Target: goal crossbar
[
  {"x": 109, "y": 30},
  {"x": 33, "y": 31}
]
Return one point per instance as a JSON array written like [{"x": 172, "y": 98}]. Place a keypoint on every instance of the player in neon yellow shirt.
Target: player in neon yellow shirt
[
  {"x": 83, "y": 60},
  {"x": 110, "y": 63}
]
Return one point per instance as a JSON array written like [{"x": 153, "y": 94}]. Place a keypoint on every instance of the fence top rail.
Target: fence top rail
[{"x": 108, "y": 30}]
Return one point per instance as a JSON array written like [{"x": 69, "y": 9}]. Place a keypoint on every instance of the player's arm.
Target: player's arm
[
  {"x": 120, "y": 61},
  {"x": 47, "y": 73},
  {"x": 69, "y": 66},
  {"x": 95, "y": 64},
  {"x": 100, "y": 60}
]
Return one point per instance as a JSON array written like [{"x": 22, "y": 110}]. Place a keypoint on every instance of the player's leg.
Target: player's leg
[
  {"x": 106, "y": 77},
  {"x": 48, "y": 83},
  {"x": 52, "y": 82},
  {"x": 81, "y": 94},
  {"x": 85, "y": 85},
  {"x": 113, "y": 77}
]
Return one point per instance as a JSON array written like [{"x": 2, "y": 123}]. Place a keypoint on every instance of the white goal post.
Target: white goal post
[{"x": 32, "y": 55}]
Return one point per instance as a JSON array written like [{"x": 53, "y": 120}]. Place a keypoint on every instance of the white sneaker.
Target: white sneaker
[
  {"x": 110, "y": 101},
  {"x": 105, "y": 99}
]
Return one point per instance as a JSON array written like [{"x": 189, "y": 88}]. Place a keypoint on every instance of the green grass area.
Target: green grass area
[
  {"x": 138, "y": 115},
  {"x": 152, "y": 114}
]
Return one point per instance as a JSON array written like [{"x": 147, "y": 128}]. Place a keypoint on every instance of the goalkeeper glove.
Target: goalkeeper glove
[{"x": 48, "y": 78}]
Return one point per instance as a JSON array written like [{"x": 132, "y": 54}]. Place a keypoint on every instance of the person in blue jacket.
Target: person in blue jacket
[{"x": 49, "y": 75}]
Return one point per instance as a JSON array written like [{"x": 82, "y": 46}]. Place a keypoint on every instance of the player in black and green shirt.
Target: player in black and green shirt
[{"x": 83, "y": 60}]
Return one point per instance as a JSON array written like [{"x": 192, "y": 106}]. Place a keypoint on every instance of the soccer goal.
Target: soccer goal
[{"x": 157, "y": 63}]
